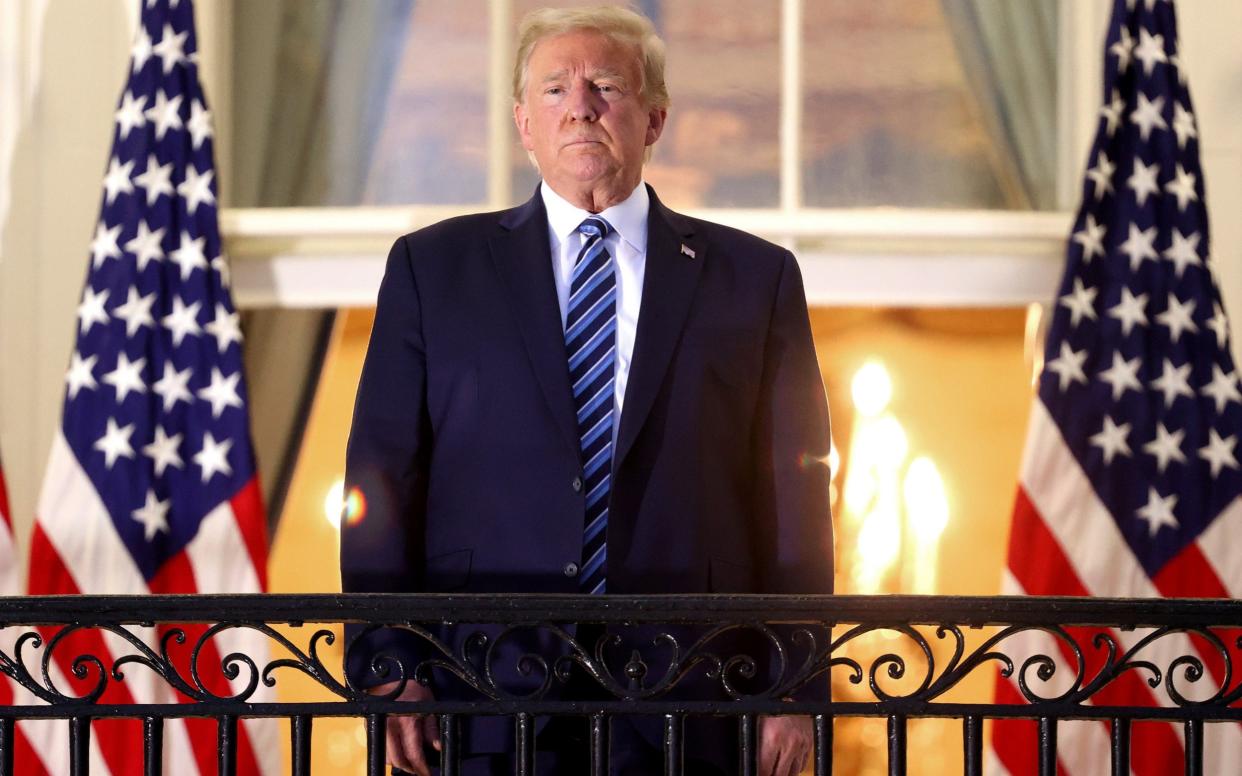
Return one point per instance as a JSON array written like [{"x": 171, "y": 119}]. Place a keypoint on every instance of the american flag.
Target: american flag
[
  {"x": 151, "y": 483},
  {"x": 1130, "y": 481}
]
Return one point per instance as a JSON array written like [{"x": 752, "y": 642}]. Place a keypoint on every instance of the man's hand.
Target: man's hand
[
  {"x": 405, "y": 735},
  {"x": 784, "y": 745}
]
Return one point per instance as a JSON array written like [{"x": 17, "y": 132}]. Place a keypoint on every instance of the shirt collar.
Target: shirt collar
[{"x": 628, "y": 217}]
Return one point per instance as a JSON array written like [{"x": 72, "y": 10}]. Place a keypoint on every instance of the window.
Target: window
[{"x": 840, "y": 104}]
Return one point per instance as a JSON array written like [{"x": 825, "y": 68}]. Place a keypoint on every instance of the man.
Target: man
[{"x": 589, "y": 392}]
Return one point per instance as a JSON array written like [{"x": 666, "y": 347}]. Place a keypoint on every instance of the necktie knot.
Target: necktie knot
[{"x": 595, "y": 227}]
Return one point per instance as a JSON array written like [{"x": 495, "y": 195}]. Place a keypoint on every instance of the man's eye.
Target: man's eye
[{"x": 553, "y": 90}]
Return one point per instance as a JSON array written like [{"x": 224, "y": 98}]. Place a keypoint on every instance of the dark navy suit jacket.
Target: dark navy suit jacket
[{"x": 464, "y": 442}]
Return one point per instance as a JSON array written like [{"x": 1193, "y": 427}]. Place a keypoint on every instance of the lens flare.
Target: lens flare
[
  {"x": 333, "y": 502},
  {"x": 355, "y": 507},
  {"x": 341, "y": 507}
]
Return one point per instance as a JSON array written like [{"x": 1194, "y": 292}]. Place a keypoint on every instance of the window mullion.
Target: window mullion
[
  {"x": 499, "y": 105},
  {"x": 791, "y": 107}
]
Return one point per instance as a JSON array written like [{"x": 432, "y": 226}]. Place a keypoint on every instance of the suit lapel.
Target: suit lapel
[
  {"x": 523, "y": 260},
  {"x": 669, "y": 281}
]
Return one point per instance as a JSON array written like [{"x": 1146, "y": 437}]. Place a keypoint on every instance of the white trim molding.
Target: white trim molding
[{"x": 334, "y": 257}]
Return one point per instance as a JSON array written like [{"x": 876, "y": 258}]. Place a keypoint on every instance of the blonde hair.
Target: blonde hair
[{"x": 620, "y": 24}]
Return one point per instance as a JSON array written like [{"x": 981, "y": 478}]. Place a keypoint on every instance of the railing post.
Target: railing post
[
  {"x": 226, "y": 745},
  {"x": 599, "y": 744},
  {"x": 450, "y": 745},
  {"x": 822, "y": 729},
  {"x": 300, "y": 744},
  {"x": 747, "y": 748},
  {"x": 153, "y": 746},
  {"x": 1120, "y": 736},
  {"x": 524, "y": 731},
  {"x": 1194, "y": 747},
  {"x": 972, "y": 745},
  {"x": 897, "y": 745},
  {"x": 1047, "y": 746},
  {"x": 7, "y": 740},
  {"x": 376, "y": 744},
  {"x": 673, "y": 754},
  {"x": 79, "y": 746}
]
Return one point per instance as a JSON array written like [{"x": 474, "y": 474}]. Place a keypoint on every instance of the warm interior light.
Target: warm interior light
[
  {"x": 927, "y": 514},
  {"x": 333, "y": 503},
  {"x": 871, "y": 388},
  {"x": 927, "y": 506},
  {"x": 888, "y": 442},
  {"x": 877, "y": 456},
  {"x": 860, "y": 488},
  {"x": 878, "y": 446},
  {"x": 1032, "y": 342},
  {"x": 879, "y": 543}
]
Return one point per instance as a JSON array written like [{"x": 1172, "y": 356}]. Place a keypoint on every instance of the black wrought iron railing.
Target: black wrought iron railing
[{"x": 666, "y": 659}]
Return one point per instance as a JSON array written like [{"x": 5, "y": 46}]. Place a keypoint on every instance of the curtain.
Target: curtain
[
  {"x": 1008, "y": 52},
  {"x": 311, "y": 80},
  {"x": 312, "y": 104}
]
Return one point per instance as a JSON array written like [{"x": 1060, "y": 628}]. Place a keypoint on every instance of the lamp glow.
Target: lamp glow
[
  {"x": 334, "y": 503},
  {"x": 927, "y": 506},
  {"x": 872, "y": 388},
  {"x": 927, "y": 514},
  {"x": 889, "y": 443},
  {"x": 879, "y": 542}
]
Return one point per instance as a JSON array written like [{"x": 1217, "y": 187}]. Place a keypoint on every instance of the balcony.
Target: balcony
[{"x": 668, "y": 659}]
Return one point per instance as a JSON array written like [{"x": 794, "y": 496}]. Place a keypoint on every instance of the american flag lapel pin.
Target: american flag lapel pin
[{"x": 687, "y": 250}]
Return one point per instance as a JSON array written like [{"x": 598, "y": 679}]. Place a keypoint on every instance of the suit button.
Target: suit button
[
  {"x": 577, "y": 486},
  {"x": 571, "y": 569}
]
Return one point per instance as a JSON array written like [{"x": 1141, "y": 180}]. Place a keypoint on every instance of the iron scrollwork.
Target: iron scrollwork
[{"x": 637, "y": 652}]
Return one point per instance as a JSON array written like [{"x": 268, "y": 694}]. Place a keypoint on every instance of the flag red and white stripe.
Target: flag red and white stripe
[{"x": 25, "y": 758}]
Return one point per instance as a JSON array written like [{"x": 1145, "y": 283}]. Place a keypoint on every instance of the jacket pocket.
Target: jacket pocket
[{"x": 448, "y": 571}]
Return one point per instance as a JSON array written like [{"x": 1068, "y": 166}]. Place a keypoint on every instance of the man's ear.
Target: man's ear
[
  {"x": 522, "y": 121},
  {"x": 655, "y": 124}
]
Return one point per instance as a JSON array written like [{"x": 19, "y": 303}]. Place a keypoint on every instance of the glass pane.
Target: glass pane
[
  {"x": 720, "y": 147},
  {"x": 433, "y": 145},
  {"x": 929, "y": 103},
  {"x": 360, "y": 103}
]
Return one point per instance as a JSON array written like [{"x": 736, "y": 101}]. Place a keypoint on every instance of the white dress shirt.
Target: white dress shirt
[{"x": 627, "y": 244}]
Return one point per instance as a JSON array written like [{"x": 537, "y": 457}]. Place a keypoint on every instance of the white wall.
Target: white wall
[
  {"x": 1208, "y": 31},
  {"x": 78, "y": 63},
  {"x": 76, "y": 66}
]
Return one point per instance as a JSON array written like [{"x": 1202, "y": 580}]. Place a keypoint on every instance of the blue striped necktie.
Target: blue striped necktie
[{"x": 591, "y": 341}]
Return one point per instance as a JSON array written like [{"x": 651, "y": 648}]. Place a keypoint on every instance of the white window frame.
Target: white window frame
[{"x": 334, "y": 257}]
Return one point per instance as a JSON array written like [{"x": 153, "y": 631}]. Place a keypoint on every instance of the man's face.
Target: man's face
[{"x": 582, "y": 115}]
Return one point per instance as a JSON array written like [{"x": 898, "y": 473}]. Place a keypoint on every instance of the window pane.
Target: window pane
[
  {"x": 433, "y": 146},
  {"x": 360, "y": 103},
  {"x": 929, "y": 103},
  {"x": 720, "y": 147}
]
